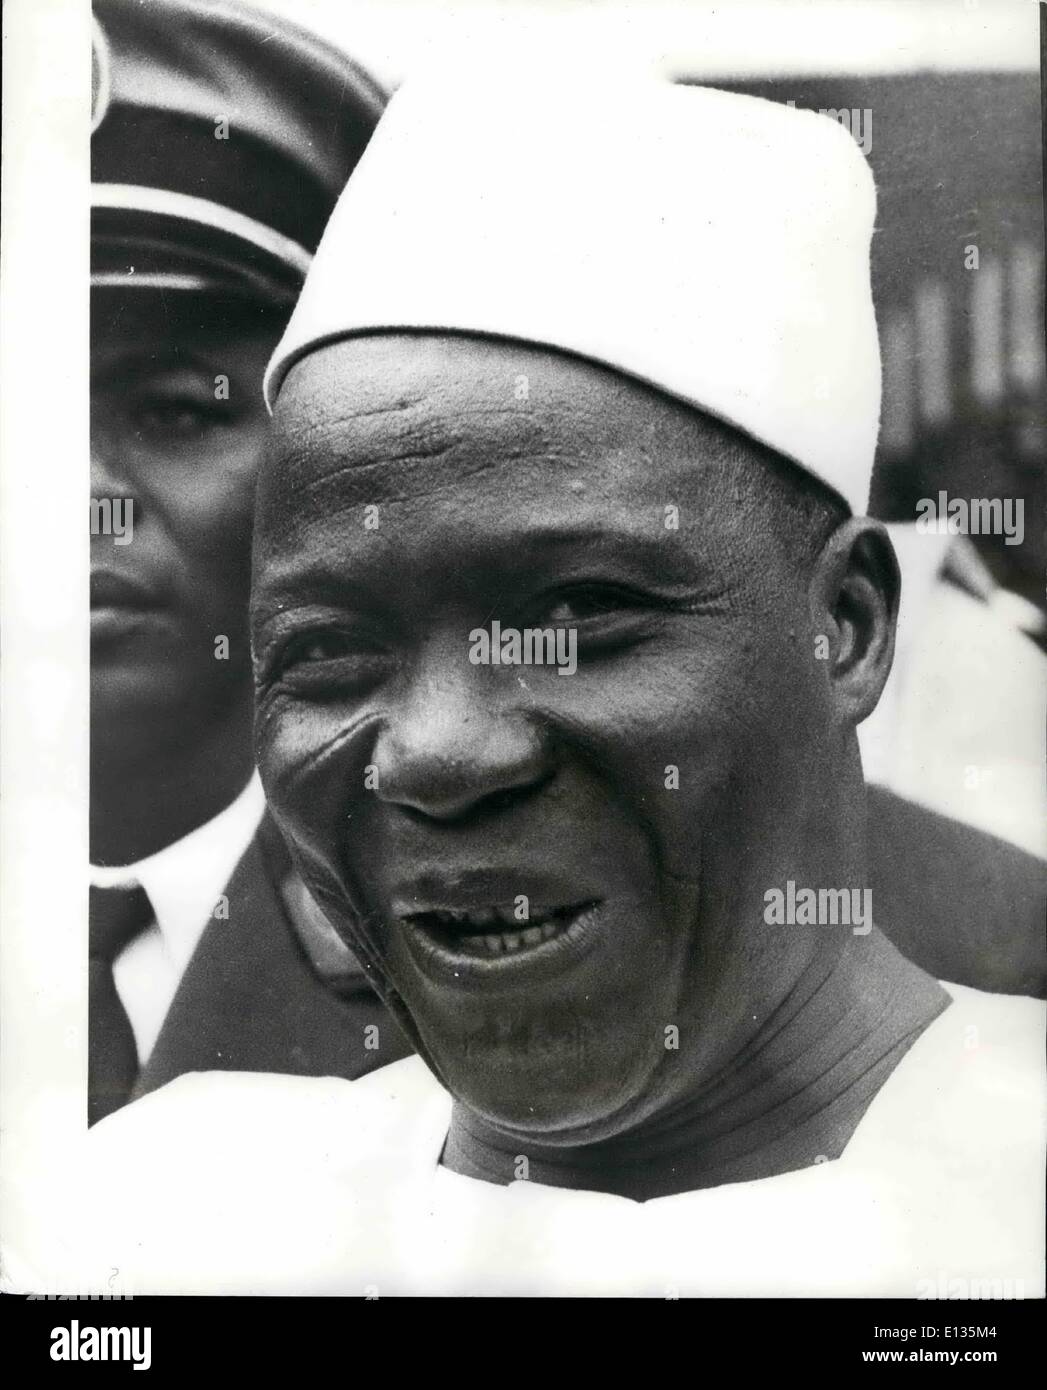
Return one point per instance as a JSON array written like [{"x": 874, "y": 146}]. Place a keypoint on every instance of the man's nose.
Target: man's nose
[
  {"x": 454, "y": 751},
  {"x": 111, "y": 472}
]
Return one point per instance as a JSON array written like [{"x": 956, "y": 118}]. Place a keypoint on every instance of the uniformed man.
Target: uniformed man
[
  {"x": 221, "y": 140},
  {"x": 604, "y": 368}
]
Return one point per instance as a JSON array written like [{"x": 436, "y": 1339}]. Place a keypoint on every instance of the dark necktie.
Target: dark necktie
[{"x": 117, "y": 915}]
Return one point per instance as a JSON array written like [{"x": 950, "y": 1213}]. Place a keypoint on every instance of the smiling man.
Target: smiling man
[
  {"x": 560, "y": 876},
  {"x": 607, "y": 368}
]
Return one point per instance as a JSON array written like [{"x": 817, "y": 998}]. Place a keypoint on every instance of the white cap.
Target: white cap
[{"x": 715, "y": 246}]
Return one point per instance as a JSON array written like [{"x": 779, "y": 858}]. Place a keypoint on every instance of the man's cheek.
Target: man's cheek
[
  {"x": 320, "y": 789},
  {"x": 295, "y": 785},
  {"x": 313, "y": 819},
  {"x": 213, "y": 521},
  {"x": 680, "y": 776}
]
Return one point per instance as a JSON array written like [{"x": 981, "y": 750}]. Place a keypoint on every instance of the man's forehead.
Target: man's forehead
[
  {"x": 141, "y": 317},
  {"x": 395, "y": 399},
  {"x": 403, "y": 442},
  {"x": 389, "y": 370}
]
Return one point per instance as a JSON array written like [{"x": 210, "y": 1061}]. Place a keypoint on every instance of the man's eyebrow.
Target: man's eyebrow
[
  {"x": 313, "y": 583},
  {"x": 601, "y": 535},
  {"x": 323, "y": 577},
  {"x": 137, "y": 364},
  {"x": 644, "y": 551}
]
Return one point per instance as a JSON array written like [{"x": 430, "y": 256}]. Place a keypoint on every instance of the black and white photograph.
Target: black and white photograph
[{"x": 532, "y": 784}]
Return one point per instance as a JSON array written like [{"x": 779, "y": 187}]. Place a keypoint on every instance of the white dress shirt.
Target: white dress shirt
[{"x": 184, "y": 882}]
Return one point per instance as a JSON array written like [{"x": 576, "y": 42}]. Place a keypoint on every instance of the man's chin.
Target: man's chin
[
  {"x": 128, "y": 695},
  {"x": 573, "y": 1094}
]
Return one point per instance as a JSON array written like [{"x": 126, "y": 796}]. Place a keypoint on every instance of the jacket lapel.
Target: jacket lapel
[{"x": 251, "y": 1001}]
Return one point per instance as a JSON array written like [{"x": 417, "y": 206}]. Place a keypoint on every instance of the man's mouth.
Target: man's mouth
[
  {"x": 497, "y": 930},
  {"x": 112, "y": 590},
  {"x": 122, "y": 607}
]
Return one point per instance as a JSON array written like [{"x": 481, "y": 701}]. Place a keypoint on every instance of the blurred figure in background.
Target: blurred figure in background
[
  {"x": 221, "y": 139},
  {"x": 961, "y": 728}
]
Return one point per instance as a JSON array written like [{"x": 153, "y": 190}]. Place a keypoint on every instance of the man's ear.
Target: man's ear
[{"x": 854, "y": 593}]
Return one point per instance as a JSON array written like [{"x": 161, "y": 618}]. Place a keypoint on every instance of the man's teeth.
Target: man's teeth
[
  {"x": 503, "y": 918},
  {"x": 531, "y": 936},
  {"x": 472, "y": 930}
]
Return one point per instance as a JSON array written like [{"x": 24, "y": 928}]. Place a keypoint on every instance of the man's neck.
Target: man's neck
[
  {"x": 792, "y": 1097},
  {"x": 141, "y": 804}
]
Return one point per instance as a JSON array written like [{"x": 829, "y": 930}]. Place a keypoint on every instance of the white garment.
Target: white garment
[
  {"x": 961, "y": 727},
  {"x": 248, "y": 1183},
  {"x": 752, "y": 223},
  {"x": 184, "y": 882}
]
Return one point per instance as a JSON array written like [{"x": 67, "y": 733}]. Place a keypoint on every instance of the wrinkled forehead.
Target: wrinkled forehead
[
  {"x": 388, "y": 382},
  {"x": 380, "y": 416}
]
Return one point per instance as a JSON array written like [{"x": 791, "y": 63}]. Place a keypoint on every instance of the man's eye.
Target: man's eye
[
  {"x": 584, "y": 604},
  {"x": 326, "y": 661},
  {"x": 318, "y": 647},
  {"x": 177, "y": 418}
]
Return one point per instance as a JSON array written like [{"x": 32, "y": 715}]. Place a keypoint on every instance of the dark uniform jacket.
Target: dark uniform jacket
[{"x": 271, "y": 988}]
